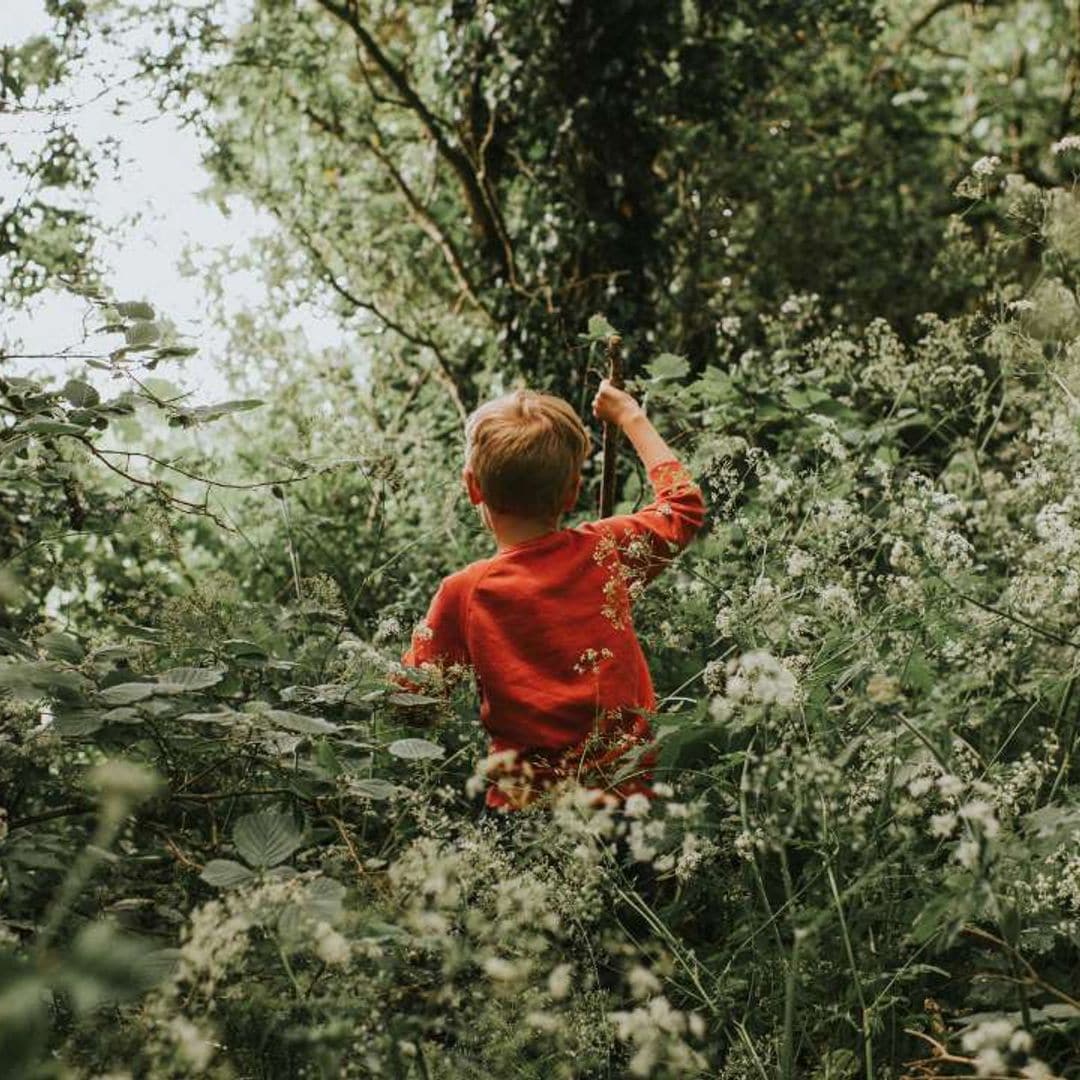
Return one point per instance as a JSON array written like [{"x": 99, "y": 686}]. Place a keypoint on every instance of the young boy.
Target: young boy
[{"x": 545, "y": 623}]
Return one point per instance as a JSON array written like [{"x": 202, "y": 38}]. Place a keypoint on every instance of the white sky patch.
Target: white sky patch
[{"x": 148, "y": 215}]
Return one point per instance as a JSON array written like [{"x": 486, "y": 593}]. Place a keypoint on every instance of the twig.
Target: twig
[{"x": 71, "y": 810}]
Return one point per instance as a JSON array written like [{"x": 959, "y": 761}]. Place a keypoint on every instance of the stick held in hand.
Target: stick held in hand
[{"x": 611, "y": 431}]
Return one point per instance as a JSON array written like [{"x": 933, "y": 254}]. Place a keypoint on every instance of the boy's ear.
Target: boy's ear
[
  {"x": 572, "y": 497},
  {"x": 472, "y": 487}
]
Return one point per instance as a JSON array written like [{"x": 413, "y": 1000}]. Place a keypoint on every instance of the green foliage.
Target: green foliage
[{"x": 231, "y": 845}]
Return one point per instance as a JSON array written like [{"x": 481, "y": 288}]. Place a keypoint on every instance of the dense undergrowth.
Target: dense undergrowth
[{"x": 233, "y": 848}]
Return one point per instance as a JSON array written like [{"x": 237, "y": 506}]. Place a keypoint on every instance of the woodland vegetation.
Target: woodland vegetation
[{"x": 841, "y": 241}]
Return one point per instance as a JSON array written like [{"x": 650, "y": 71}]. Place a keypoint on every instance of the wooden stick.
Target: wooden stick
[{"x": 611, "y": 431}]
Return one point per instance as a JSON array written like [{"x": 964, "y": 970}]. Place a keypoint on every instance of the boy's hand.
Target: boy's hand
[{"x": 614, "y": 406}]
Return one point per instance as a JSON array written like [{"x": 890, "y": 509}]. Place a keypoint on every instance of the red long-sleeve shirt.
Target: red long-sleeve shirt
[{"x": 546, "y": 627}]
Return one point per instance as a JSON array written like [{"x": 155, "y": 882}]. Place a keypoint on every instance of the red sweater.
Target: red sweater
[{"x": 547, "y": 629}]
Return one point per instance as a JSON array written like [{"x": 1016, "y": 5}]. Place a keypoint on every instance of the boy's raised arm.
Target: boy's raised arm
[
  {"x": 614, "y": 406},
  {"x": 668, "y": 523}
]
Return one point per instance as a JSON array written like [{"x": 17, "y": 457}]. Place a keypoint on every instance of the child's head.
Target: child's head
[{"x": 525, "y": 451}]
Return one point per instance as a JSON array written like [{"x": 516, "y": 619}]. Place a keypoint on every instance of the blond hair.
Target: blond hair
[{"x": 526, "y": 450}]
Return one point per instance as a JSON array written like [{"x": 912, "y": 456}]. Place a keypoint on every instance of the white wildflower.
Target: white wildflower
[
  {"x": 986, "y": 166},
  {"x": 637, "y": 805},
  {"x": 919, "y": 787},
  {"x": 942, "y": 825},
  {"x": 330, "y": 947},
  {"x": 559, "y": 981},
  {"x": 967, "y": 854},
  {"x": 950, "y": 786},
  {"x": 1065, "y": 145},
  {"x": 192, "y": 1045},
  {"x": 643, "y": 982},
  {"x": 980, "y": 812}
]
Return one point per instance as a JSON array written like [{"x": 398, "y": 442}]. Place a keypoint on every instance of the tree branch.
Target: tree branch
[
  {"x": 453, "y": 155},
  {"x": 444, "y": 369}
]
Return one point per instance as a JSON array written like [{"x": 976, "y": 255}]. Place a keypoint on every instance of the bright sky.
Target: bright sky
[{"x": 159, "y": 187}]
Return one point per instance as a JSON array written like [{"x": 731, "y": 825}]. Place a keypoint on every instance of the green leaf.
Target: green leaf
[
  {"x": 81, "y": 394},
  {"x": 142, "y": 333},
  {"x": 668, "y": 366},
  {"x": 238, "y": 647},
  {"x": 225, "y": 716},
  {"x": 266, "y": 838},
  {"x": 135, "y": 309},
  {"x": 41, "y": 679},
  {"x": 225, "y": 874},
  {"x": 24, "y": 1021},
  {"x": 107, "y": 965},
  {"x": 373, "y": 788},
  {"x": 410, "y": 700},
  {"x": 416, "y": 749},
  {"x": 186, "y": 680},
  {"x": 299, "y": 722},
  {"x": 61, "y": 646},
  {"x": 203, "y": 414},
  {"x": 325, "y": 899},
  {"x": 49, "y": 427},
  {"x": 599, "y": 328},
  {"x": 123, "y": 714},
  {"x": 126, "y": 693},
  {"x": 77, "y": 723}
]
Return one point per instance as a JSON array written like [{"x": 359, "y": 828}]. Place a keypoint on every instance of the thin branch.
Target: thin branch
[
  {"x": 210, "y": 480},
  {"x": 444, "y": 369},
  {"x": 184, "y": 505},
  {"x": 453, "y": 155},
  {"x": 1042, "y": 632},
  {"x": 420, "y": 213},
  {"x": 424, "y": 218},
  {"x": 71, "y": 810}
]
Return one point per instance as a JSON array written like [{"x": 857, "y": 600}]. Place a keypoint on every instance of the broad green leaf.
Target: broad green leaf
[
  {"x": 266, "y": 838},
  {"x": 225, "y": 716},
  {"x": 12, "y": 644},
  {"x": 373, "y": 788},
  {"x": 142, "y": 333},
  {"x": 186, "y": 680},
  {"x": 299, "y": 722},
  {"x": 205, "y": 413},
  {"x": 77, "y": 723},
  {"x": 135, "y": 309},
  {"x": 34, "y": 679},
  {"x": 123, "y": 714},
  {"x": 126, "y": 693},
  {"x": 408, "y": 699},
  {"x": 416, "y": 749},
  {"x": 61, "y": 646},
  {"x": 325, "y": 898},
  {"x": 668, "y": 366},
  {"x": 599, "y": 328},
  {"x": 80, "y": 394},
  {"x": 240, "y": 648},
  {"x": 50, "y": 427},
  {"x": 225, "y": 874},
  {"x": 106, "y": 964},
  {"x": 24, "y": 1021},
  {"x": 176, "y": 352}
]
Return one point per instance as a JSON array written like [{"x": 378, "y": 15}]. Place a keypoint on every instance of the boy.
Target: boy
[{"x": 545, "y": 622}]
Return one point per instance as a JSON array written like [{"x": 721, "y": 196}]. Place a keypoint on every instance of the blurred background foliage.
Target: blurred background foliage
[{"x": 842, "y": 243}]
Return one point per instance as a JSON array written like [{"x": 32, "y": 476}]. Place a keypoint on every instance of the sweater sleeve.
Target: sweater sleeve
[
  {"x": 439, "y": 638},
  {"x": 648, "y": 540}
]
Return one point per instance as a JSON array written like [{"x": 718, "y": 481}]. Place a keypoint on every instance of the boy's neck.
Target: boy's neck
[{"x": 510, "y": 529}]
